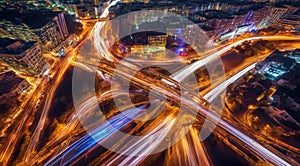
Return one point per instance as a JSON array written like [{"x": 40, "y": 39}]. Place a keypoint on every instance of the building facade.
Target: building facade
[
  {"x": 49, "y": 36},
  {"x": 51, "y": 33},
  {"x": 24, "y": 57}
]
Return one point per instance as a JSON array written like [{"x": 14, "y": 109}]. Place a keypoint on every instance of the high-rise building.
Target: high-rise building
[
  {"x": 48, "y": 28},
  {"x": 22, "y": 57},
  {"x": 62, "y": 26},
  {"x": 191, "y": 35},
  {"x": 49, "y": 36},
  {"x": 52, "y": 30}
]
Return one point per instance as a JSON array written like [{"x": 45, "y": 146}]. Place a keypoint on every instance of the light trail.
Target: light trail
[
  {"x": 188, "y": 151},
  {"x": 96, "y": 136},
  {"x": 8, "y": 148},
  {"x": 99, "y": 43},
  {"x": 102, "y": 50},
  {"x": 143, "y": 147},
  {"x": 210, "y": 96},
  {"x": 59, "y": 72},
  {"x": 185, "y": 72},
  {"x": 182, "y": 74},
  {"x": 82, "y": 110},
  {"x": 270, "y": 157},
  {"x": 257, "y": 148}
]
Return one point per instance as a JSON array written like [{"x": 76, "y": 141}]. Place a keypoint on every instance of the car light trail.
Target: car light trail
[
  {"x": 185, "y": 72},
  {"x": 210, "y": 96},
  {"x": 147, "y": 144},
  {"x": 141, "y": 147},
  {"x": 98, "y": 40},
  {"x": 188, "y": 151},
  {"x": 257, "y": 148},
  {"x": 97, "y": 135}
]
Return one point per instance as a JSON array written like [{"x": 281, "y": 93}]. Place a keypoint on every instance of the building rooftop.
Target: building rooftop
[
  {"x": 287, "y": 63},
  {"x": 276, "y": 65},
  {"x": 9, "y": 46}
]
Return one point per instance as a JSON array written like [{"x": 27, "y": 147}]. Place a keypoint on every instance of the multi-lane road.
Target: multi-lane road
[
  {"x": 141, "y": 148},
  {"x": 204, "y": 111},
  {"x": 163, "y": 88},
  {"x": 33, "y": 105},
  {"x": 171, "y": 92},
  {"x": 58, "y": 72}
]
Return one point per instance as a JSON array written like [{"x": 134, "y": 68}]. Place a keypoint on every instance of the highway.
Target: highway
[
  {"x": 182, "y": 74},
  {"x": 185, "y": 72},
  {"x": 22, "y": 124},
  {"x": 193, "y": 152},
  {"x": 96, "y": 136},
  {"x": 142, "y": 81},
  {"x": 76, "y": 118},
  {"x": 188, "y": 151},
  {"x": 58, "y": 72},
  {"x": 252, "y": 144},
  {"x": 210, "y": 96}
]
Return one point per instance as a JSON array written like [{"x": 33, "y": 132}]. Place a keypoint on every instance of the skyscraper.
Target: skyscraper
[{"x": 62, "y": 26}]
